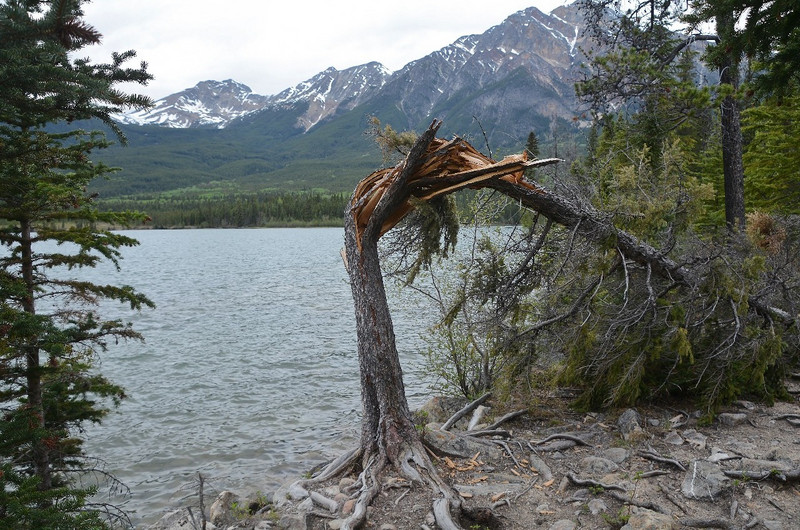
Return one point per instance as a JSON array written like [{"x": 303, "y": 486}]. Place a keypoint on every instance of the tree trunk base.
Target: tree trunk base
[{"x": 414, "y": 469}]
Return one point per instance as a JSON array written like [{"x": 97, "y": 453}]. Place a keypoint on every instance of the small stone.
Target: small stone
[
  {"x": 220, "y": 512},
  {"x": 597, "y": 506},
  {"x": 748, "y": 405},
  {"x": 616, "y": 454},
  {"x": 263, "y": 525},
  {"x": 732, "y": 419},
  {"x": 541, "y": 467},
  {"x": 430, "y": 519},
  {"x": 293, "y": 522},
  {"x": 306, "y": 505},
  {"x": 673, "y": 438},
  {"x": 563, "y": 524},
  {"x": 345, "y": 483},
  {"x": 347, "y": 507},
  {"x": 335, "y": 524},
  {"x": 387, "y": 526},
  {"x": 630, "y": 425},
  {"x": 331, "y": 491},
  {"x": 642, "y": 518},
  {"x": 695, "y": 439},
  {"x": 595, "y": 465}
]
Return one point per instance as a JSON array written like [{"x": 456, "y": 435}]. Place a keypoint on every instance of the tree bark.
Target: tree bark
[
  {"x": 733, "y": 170},
  {"x": 387, "y": 422},
  {"x": 33, "y": 377}
]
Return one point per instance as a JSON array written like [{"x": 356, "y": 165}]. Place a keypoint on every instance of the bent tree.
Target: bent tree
[{"x": 432, "y": 169}]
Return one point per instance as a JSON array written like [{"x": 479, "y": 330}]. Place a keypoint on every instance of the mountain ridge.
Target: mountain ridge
[
  {"x": 217, "y": 104},
  {"x": 494, "y": 88}
]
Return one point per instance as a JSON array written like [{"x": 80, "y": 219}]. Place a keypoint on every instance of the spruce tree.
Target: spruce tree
[{"x": 50, "y": 332}]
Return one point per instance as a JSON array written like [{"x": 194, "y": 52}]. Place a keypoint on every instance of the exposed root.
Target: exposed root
[{"x": 414, "y": 465}]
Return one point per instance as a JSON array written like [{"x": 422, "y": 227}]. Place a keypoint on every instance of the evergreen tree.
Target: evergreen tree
[{"x": 49, "y": 329}]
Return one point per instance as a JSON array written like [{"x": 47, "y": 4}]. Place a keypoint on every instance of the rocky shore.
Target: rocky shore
[{"x": 551, "y": 468}]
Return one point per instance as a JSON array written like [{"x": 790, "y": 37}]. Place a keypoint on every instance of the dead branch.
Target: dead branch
[
  {"x": 466, "y": 410},
  {"x": 507, "y": 417}
]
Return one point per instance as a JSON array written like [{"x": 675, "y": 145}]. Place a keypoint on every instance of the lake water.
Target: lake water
[{"x": 249, "y": 372}]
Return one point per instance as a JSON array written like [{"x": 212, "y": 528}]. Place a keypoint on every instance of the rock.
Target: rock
[
  {"x": 439, "y": 409},
  {"x": 345, "y": 483},
  {"x": 695, "y": 439},
  {"x": 748, "y": 405},
  {"x": 292, "y": 522},
  {"x": 597, "y": 506},
  {"x": 221, "y": 510},
  {"x": 347, "y": 507},
  {"x": 263, "y": 525},
  {"x": 387, "y": 526},
  {"x": 461, "y": 446},
  {"x": 563, "y": 524},
  {"x": 704, "y": 481},
  {"x": 595, "y": 465},
  {"x": 306, "y": 505},
  {"x": 290, "y": 491},
  {"x": 179, "y": 520},
  {"x": 335, "y": 524},
  {"x": 616, "y": 454},
  {"x": 541, "y": 467},
  {"x": 732, "y": 419},
  {"x": 673, "y": 438},
  {"x": 630, "y": 425},
  {"x": 644, "y": 519}
]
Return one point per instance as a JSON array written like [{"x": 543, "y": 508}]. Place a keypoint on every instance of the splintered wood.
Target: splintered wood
[{"x": 446, "y": 166}]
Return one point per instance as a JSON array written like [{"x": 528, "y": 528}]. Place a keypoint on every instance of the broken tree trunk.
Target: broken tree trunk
[{"x": 435, "y": 167}]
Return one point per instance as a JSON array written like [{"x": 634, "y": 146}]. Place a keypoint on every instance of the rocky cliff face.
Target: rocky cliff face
[{"x": 524, "y": 65}]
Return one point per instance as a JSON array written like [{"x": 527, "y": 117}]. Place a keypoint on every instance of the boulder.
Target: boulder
[{"x": 704, "y": 481}]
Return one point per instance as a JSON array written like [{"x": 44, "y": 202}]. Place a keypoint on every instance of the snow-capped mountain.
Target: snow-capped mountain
[
  {"x": 207, "y": 104},
  {"x": 526, "y": 61}
]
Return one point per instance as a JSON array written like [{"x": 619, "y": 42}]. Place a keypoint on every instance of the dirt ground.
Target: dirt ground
[{"x": 652, "y": 468}]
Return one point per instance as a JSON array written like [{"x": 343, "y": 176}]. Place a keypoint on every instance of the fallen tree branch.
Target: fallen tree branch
[
  {"x": 466, "y": 410},
  {"x": 507, "y": 417}
]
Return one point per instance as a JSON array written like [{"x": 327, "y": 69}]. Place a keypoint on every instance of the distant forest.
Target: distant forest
[{"x": 261, "y": 209}]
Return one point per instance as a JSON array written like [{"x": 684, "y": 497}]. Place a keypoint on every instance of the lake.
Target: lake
[{"x": 249, "y": 371}]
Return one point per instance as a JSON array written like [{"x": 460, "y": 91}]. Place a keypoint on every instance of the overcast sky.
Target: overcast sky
[{"x": 270, "y": 45}]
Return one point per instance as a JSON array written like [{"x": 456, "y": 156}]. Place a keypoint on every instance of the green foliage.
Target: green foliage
[
  {"x": 215, "y": 209},
  {"x": 772, "y": 159},
  {"x": 49, "y": 332}
]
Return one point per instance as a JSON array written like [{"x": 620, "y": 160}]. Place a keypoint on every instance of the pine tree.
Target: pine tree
[{"x": 49, "y": 227}]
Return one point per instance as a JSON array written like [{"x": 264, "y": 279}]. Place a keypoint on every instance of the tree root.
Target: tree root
[
  {"x": 414, "y": 465},
  {"x": 654, "y": 456}
]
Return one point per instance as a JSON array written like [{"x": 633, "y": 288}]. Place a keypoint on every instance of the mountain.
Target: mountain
[
  {"x": 516, "y": 77},
  {"x": 209, "y": 103}
]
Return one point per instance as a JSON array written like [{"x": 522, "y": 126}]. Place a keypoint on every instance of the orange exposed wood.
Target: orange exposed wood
[{"x": 446, "y": 166}]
